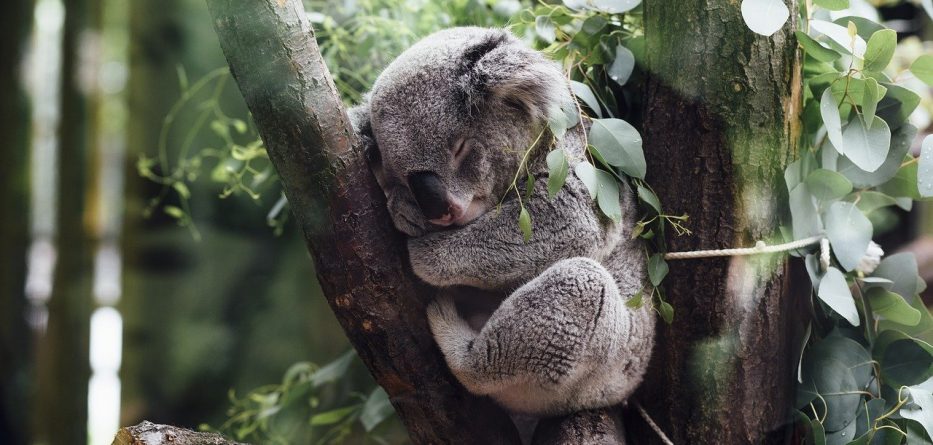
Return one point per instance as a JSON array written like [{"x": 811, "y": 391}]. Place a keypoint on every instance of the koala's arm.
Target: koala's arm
[{"x": 490, "y": 253}]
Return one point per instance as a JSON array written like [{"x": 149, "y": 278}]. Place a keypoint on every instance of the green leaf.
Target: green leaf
[
  {"x": 333, "y": 416},
  {"x": 902, "y": 270},
  {"x": 615, "y": 6},
  {"x": 376, "y": 409},
  {"x": 904, "y": 183},
  {"x": 182, "y": 189},
  {"x": 900, "y": 145},
  {"x": 557, "y": 171},
  {"x": 840, "y": 37},
  {"x": 923, "y": 68},
  {"x": 880, "y": 50},
  {"x": 804, "y": 217},
  {"x": 869, "y": 201},
  {"x": 920, "y": 407},
  {"x": 835, "y": 293},
  {"x": 846, "y": 351},
  {"x": 904, "y": 360},
  {"x": 545, "y": 28},
  {"x": 333, "y": 370},
  {"x": 892, "y": 307},
  {"x": 620, "y": 145},
  {"x": 923, "y": 330},
  {"x": 867, "y": 147},
  {"x": 832, "y": 5},
  {"x": 897, "y": 105},
  {"x": 870, "y": 101},
  {"x": 925, "y": 168},
  {"x": 622, "y": 66},
  {"x": 524, "y": 223},
  {"x": 827, "y": 185},
  {"x": 865, "y": 27},
  {"x": 648, "y": 197},
  {"x": 557, "y": 121},
  {"x": 816, "y": 49},
  {"x": 587, "y": 174},
  {"x": 582, "y": 91},
  {"x": 829, "y": 110},
  {"x": 849, "y": 233},
  {"x": 765, "y": 17},
  {"x": 174, "y": 212},
  {"x": 636, "y": 301},
  {"x": 666, "y": 311},
  {"x": 657, "y": 269},
  {"x": 835, "y": 383},
  {"x": 608, "y": 195}
]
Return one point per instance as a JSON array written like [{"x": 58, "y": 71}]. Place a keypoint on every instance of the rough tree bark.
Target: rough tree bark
[
  {"x": 717, "y": 140},
  {"x": 359, "y": 257}
]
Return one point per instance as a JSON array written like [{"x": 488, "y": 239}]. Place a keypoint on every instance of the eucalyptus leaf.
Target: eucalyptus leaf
[
  {"x": 835, "y": 293},
  {"x": 900, "y": 145},
  {"x": 649, "y": 198},
  {"x": 376, "y": 409},
  {"x": 608, "y": 195},
  {"x": 840, "y": 36},
  {"x": 827, "y": 185},
  {"x": 333, "y": 416},
  {"x": 622, "y": 65},
  {"x": 905, "y": 361},
  {"x": 849, "y": 233},
  {"x": 902, "y": 270},
  {"x": 829, "y": 110},
  {"x": 892, "y": 307},
  {"x": 524, "y": 223},
  {"x": 545, "y": 28},
  {"x": 925, "y": 168},
  {"x": 583, "y": 91},
  {"x": 880, "y": 50},
  {"x": 897, "y": 105},
  {"x": 816, "y": 49},
  {"x": 666, "y": 311},
  {"x": 805, "y": 219},
  {"x": 832, "y": 5},
  {"x": 333, "y": 370},
  {"x": 620, "y": 144},
  {"x": 834, "y": 381},
  {"x": 557, "y": 171},
  {"x": 615, "y": 6},
  {"x": 867, "y": 147},
  {"x": 870, "y": 101},
  {"x": 765, "y": 17},
  {"x": 869, "y": 201},
  {"x": 920, "y": 407},
  {"x": 923, "y": 68},
  {"x": 657, "y": 269},
  {"x": 587, "y": 174}
]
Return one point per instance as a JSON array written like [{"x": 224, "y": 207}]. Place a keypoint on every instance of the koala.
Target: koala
[{"x": 445, "y": 128}]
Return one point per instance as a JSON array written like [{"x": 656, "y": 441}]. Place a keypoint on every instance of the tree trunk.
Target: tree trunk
[
  {"x": 359, "y": 257},
  {"x": 15, "y": 22},
  {"x": 721, "y": 122},
  {"x": 63, "y": 350}
]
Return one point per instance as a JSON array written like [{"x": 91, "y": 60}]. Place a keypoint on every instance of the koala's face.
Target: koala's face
[{"x": 450, "y": 120}]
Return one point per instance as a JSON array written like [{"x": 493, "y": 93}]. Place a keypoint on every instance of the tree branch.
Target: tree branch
[{"x": 359, "y": 257}]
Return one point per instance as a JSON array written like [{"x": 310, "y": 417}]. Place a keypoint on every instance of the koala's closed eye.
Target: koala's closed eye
[{"x": 461, "y": 149}]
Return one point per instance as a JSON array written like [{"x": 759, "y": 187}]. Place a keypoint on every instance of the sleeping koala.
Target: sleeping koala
[{"x": 446, "y": 126}]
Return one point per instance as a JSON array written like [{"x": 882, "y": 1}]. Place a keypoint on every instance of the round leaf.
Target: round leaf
[
  {"x": 925, "y": 168},
  {"x": 923, "y": 68},
  {"x": 622, "y": 66},
  {"x": 880, "y": 50},
  {"x": 892, "y": 307},
  {"x": 867, "y": 147},
  {"x": 849, "y": 233},
  {"x": 765, "y": 17},
  {"x": 840, "y": 36},
  {"x": 827, "y": 185}
]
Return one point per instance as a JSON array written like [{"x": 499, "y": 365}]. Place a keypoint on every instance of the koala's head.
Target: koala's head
[{"x": 447, "y": 122}]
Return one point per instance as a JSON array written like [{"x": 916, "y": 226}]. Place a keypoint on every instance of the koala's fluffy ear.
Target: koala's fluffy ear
[
  {"x": 362, "y": 125},
  {"x": 500, "y": 69}
]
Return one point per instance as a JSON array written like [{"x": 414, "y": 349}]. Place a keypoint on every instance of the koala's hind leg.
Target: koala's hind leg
[{"x": 542, "y": 339}]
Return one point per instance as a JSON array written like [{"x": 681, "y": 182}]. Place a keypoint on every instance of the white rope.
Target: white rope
[
  {"x": 760, "y": 247},
  {"x": 653, "y": 425}
]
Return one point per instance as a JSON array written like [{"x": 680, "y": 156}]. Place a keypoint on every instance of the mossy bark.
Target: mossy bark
[{"x": 721, "y": 122}]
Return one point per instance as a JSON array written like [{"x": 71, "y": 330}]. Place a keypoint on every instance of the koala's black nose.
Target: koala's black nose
[{"x": 430, "y": 193}]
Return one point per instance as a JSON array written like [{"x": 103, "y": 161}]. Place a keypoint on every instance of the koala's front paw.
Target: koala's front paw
[
  {"x": 449, "y": 329},
  {"x": 429, "y": 262}
]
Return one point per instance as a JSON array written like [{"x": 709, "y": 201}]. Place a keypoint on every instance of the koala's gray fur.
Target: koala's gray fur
[{"x": 562, "y": 338}]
